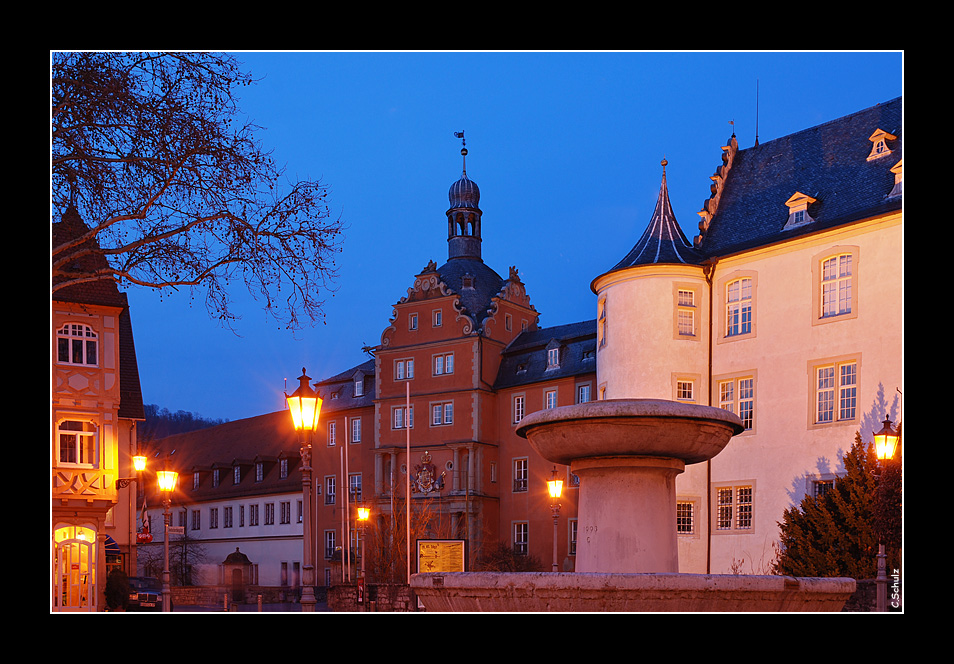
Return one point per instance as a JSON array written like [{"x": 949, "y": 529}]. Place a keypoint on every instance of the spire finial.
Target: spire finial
[{"x": 463, "y": 149}]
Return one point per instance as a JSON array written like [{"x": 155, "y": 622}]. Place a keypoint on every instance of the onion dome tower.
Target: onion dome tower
[{"x": 463, "y": 215}]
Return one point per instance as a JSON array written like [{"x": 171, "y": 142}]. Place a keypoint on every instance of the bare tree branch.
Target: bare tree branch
[{"x": 150, "y": 151}]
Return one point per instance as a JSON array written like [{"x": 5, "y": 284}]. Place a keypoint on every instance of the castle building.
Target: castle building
[
  {"x": 786, "y": 309},
  {"x": 461, "y": 360},
  {"x": 96, "y": 402}
]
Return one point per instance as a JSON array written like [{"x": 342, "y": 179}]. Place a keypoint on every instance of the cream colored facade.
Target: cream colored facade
[{"x": 807, "y": 357}]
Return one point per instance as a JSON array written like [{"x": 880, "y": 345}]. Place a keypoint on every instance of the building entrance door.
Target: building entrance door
[{"x": 75, "y": 570}]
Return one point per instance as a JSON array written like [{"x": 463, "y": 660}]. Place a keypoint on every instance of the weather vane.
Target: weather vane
[{"x": 463, "y": 149}]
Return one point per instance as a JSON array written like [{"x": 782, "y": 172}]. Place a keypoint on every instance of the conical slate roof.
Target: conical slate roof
[{"x": 663, "y": 240}]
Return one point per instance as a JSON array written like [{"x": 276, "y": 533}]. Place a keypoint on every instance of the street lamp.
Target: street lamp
[
  {"x": 364, "y": 513},
  {"x": 139, "y": 465},
  {"x": 555, "y": 489},
  {"x": 886, "y": 443},
  {"x": 167, "y": 480},
  {"x": 305, "y": 407}
]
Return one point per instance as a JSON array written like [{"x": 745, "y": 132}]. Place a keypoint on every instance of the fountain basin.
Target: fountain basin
[
  {"x": 589, "y": 592},
  {"x": 629, "y": 427}
]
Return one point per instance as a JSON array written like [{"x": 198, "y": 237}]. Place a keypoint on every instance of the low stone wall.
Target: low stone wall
[
  {"x": 216, "y": 595},
  {"x": 377, "y": 598}
]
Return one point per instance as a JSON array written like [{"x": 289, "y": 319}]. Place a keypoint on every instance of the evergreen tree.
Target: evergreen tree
[{"x": 837, "y": 534}]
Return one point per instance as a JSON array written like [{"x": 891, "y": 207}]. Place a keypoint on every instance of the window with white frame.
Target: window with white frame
[
  {"x": 735, "y": 508},
  {"x": 359, "y": 386},
  {"x": 553, "y": 357},
  {"x": 436, "y": 318},
  {"x": 78, "y": 443},
  {"x": 737, "y": 395},
  {"x": 583, "y": 393},
  {"x": 684, "y": 390},
  {"x": 332, "y": 432},
  {"x": 330, "y": 490},
  {"x": 330, "y": 544},
  {"x": 443, "y": 364},
  {"x": 253, "y": 514},
  {"x": 738, "y": 308},
  {"x": 356, "y": 430},
  {"x": 213, "y": 517},
  {"x": 550, "y": 399},
  {"x": 685, "y": 312},
  {"x": 77, "y": 344},
  {"x": 412, "y": 322},
  {"x": 518, "y": 408},
  {"x": 836, "y": 392},
  {"x": 259, "y": 471},
  {"x": 269, "y": 514},
  {"x": 404, "y": 369},
  {"x": 402, "y": 416},
  {"x": 521, "y": 474},
  {"x": 521, "y": 538},
  {"x": 442, "y": 413},
  {"x": 284, "y": 511},
  {"x": 685, "y": 517},
  {"x": 236, "y": 474},
  {"x": 836, "y": 285},
  {"x": 354, "y": 486},
  {"x": 195, "y": 480},
  {"x": 283, "y": 468}
]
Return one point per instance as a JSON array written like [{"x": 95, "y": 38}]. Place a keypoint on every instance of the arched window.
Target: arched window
[{"x": 76, "y": 344}]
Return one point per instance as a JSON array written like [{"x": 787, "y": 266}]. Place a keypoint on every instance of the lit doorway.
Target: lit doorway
[{"x": 74, "y": 569}]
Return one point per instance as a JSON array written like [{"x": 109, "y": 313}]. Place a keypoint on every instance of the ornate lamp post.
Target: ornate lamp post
[
  {"x": 364, "y": 513},
  {"x": 305, "y": 407},
  {"x": 886, "y": 443},
  {"x": 167, "y": 480},
  {"x": 555, "y": 489}
]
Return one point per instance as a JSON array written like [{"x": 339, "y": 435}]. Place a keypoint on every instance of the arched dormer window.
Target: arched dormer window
[{"x": 879, "y": 144}]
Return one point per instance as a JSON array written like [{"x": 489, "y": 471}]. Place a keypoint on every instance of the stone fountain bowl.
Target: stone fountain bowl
[{"x": 629, "y": 427}]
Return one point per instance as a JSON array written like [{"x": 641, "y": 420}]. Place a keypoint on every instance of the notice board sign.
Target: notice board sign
[{"x": 441, "y": 555}]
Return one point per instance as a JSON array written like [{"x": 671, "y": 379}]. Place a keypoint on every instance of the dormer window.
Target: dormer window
[
  {"x": 798, "y": 210},
  {"x": 553, "y": 355},
  {"x": 879, "y": 144},
  {"x": 359, "y": 386},
  {"x": 897, "y": 170}
]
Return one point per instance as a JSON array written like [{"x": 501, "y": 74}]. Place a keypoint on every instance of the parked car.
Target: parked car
[{"x": 145, "y": 594}]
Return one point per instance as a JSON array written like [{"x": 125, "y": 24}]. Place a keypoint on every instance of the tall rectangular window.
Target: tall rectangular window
[
  {"x": 836, "y": 392},
  {"x": 836, "y": 285},
  {"x": 685, "y": 525},
  {"x": 521, "y": 474},
  {"x": 518, "y": 408},
  {"x": 521, "y": 538},
  {"x": 739, "y": 307},
  {"x": 550, "y": 399},
  {"x": 356, "y": 430},
  {"x": 332, "y": 433},
  {"x": 737, "y": 395},
  {"x": 330, "y": 490}
]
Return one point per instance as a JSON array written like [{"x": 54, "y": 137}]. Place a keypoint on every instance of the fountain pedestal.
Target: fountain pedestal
[{"x": 627, "y": 514}]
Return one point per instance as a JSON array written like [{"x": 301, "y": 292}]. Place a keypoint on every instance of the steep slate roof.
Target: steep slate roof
[
  {"x": 827, "y": 162},
  {"x": 264, "y": 437},
  {"x": 663, "y": 240},
  {"x": 103, "y": 292},
  {"x": 342, "y": 385},
  {"x": 524, "y": 360}
]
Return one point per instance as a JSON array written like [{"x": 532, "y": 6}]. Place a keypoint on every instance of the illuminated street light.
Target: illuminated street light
[
  {"x": 886, "y": 444},
  {"x": 167, "y": 480},
  {"x": 555, "y": 489},
  {"x": 305, "y": 407}
]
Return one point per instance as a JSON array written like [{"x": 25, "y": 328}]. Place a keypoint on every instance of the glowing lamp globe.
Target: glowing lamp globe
[
  {"x": 364, "y": 513},
  {"x": 886, "y": 441},
  {"x": 555, "y": 486},
  {"x": 304, "y": 404},
  {"x": 139, "y": 463},
  {"x": 167, "y": 480}
]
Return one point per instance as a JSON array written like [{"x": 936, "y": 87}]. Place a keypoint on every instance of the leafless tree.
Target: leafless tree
[{"x": 151, "y": 152}]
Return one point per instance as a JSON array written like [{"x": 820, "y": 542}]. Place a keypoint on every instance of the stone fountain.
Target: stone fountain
[{"x": 627, "y": 454}]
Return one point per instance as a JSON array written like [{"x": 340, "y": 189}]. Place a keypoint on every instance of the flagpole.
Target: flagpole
[{"x": 407, "y": 475}]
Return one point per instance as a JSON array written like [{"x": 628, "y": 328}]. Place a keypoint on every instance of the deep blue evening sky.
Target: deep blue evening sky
[{"x": 566, "y": 150}]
